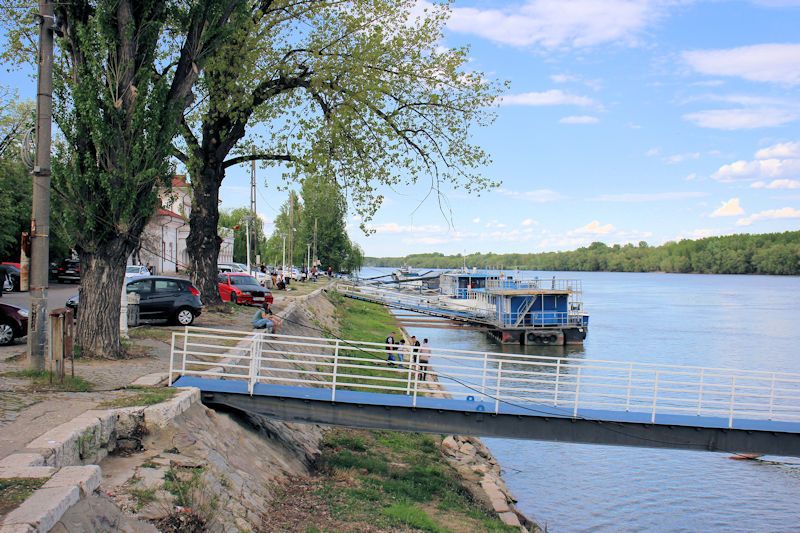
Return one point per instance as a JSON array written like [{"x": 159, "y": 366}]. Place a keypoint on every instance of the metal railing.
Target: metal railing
[
  {"x": 571, "y": 285},
  {"x": 492, "y": 380},
  {"x": 542, "y": 319}
]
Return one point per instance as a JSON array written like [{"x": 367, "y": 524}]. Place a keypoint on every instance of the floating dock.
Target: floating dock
[{"x": 546, "y": 312}]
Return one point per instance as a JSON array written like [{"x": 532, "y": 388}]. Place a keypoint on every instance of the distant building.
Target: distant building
[{"x": 163, "y": 242}]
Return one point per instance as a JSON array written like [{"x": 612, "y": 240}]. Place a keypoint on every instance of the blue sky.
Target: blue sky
[{"x": 626, "y": 120}]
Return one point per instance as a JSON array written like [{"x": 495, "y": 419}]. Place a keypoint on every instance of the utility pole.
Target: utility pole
[
  {"x": 283, "y": 264},
  {"x": 315, "y": 239},
  {"x": 308, "y": 258},
  {"x": 291, "y": 228},
  {"x": 247, "y": 232},
  {"x": 40, "y": 210},
  {"x": 252, "y": 213}
]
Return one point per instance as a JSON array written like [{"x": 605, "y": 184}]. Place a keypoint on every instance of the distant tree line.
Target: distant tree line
[{"x": 770, "y": 253}]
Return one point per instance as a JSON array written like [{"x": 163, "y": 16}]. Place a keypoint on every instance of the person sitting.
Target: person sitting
[{"x": 264, "y": 319}]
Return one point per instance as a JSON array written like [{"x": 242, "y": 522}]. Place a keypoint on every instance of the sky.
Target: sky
[{"x": 625, "y": 121}]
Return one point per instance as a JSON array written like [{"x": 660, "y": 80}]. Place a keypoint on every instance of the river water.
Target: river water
[{"x": 748, "y": 322}]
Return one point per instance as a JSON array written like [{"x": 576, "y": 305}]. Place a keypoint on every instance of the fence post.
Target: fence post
[
  {"x": 558, "y": 377},
  {"x": 410, "y": 372},
  {"x": 416, "y": 388},
  {"x": 577, "y": 393},
  {"x": 733, "y": 399},
  {"x": 655, "y": 397},
  {"x": 772, "y": 396},
  {"x": 335, "y": 370},
  {"x": 483, "y": 379},
  {"x": 251, "y": 378},
  {"x": 172, "y": 357},
  {"x": 185, "y": 347},
  {"x": 700, "y": 392},
  {"x": 497, "y": 389},
  {"x": 630, "y": 384}
]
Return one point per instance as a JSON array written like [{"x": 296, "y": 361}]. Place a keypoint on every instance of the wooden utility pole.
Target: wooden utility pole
[
  {"x": 253, "y": 216},
  {"x": 40, "y": 210}
]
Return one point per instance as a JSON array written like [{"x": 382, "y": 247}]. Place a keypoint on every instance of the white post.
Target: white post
[
  {"x": 700, "y": 392},
  {"x": 558, "y": 378},
  {"x": 772, "y": 396},
  {"x": 655, "y": 396},
  {"x": 416, "y": 389},
  {"x": 497, "y": 389},
  {"x": 732, "y": 400},
  {"x": 577, "y": 393},
  {"x": 630, "y": 380},
  {"x": 251, "y": 378},
  {"x": 185, "y": 342},
  {"x": 172, "y": 357},
  {"x": 335, "y": 370},
  {"x": 483, "y": 379},
  {"x": 410, "y": 371},
  {"x": 123, "y": 313}
]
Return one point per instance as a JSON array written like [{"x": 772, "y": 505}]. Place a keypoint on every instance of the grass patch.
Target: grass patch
[
  {"x": 14, "y": 491},
  {"x": 46, "y": 380},
  {"x": 396, "y": 480},
  {"x": 144, "y": 396},
  {"x": 142, "y": 496},
  {"x": 149, "y": 332}
]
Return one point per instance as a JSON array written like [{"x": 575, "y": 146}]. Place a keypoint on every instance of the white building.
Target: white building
[{"x": 163, "y": 243}]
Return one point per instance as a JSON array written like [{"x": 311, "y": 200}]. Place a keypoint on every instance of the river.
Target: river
[{"x": 747, "y": 322}]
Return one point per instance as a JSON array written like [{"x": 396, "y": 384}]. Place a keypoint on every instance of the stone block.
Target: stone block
[
  {"x": 17, "y": 528},
  {"x": 22, "y": 459},
  {"x": 152, "y": 380},
  {"x": 449, "y": 445},
  {"x": 510, "y": 519},
  {"x": 151, "y": 478},
  {"x": 26, "y": 471},
  {"x": 86, "y": 478},
  {"x": 162, "y": 414},
  {"x": 44, "y": 508},
  {"x": 72, "y": 443}
]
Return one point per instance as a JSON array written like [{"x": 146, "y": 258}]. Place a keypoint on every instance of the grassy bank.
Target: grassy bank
[{"x": 378, "y": 480}]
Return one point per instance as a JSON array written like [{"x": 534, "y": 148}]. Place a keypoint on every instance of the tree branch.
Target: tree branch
[{"x": 257, "y": 157}]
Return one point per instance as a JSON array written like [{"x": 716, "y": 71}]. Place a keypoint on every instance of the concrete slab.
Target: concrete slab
[
  {"x": 152, "y": 380},
  {"x": 27, "y": 471},
  {"x": 86, "y": 478},
  {"x": 161, "y": 415},
  {"x": 22, "y": 459},
  {"x": 44, "y": 508}
]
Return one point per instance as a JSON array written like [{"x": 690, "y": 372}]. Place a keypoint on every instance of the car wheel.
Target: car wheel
[
  {"x": 184, "y": 316},
  {"x": 6, "y": 333},
  {"x": 233, "y": 298}
]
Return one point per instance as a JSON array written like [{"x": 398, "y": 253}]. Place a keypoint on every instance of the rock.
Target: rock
[
  {"x": 150, "y": 478},
  {"x": 468, "y": 450},
  {"x": 449, "y": 445},
  {"x": 86, "y": 478},
  {"x": 44, "y": 508},
  {"x": 510, "y": 519},
  {"x": 183, "y": 461}
]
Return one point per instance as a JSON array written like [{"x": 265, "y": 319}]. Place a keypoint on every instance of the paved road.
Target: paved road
[{"x": 57, "y": 295}]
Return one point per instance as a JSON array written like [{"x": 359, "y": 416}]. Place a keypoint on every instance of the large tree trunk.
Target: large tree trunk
[
  {"x": 102, "y": 276},
  {"x": 203, "y": 242}
]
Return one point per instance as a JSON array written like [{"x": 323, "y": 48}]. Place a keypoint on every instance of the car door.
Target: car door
[
  {"x": 224, "y": 287},
  {"x": 165, "y": 293},
  {"x": 144, "y": 288}
]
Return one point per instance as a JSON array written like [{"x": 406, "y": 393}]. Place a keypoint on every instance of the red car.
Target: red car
[{"x": 242, "y": 288}]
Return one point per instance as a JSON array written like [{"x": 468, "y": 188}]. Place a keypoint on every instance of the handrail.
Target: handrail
[{"x": 564, "y": 385}]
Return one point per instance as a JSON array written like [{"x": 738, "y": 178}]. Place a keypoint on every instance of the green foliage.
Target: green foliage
[
  {"x": 769, "y": 253},
  {"x": 14, "y": 491},
  {"x": 144, "y": 396},
  {"x": 237, "y": 217},
  {"x": 46, "y": 380},
  {"x": 410, "y": 515}
]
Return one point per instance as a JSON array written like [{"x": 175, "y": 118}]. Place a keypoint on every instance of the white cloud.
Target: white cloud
[
  {"x": 557, "y": 24},
  {"x": 731, "y": 208},
  {"x": 476, "y": 220},
  {"x": 546, "y": 98},
  {"x": 495, "y": 224},
  {"x": 777, "y": 184},
  {"x": 649, "y": 197},
  {"x": 698, "y": 234},
  {"x": 680, "y": 158},
  {"x": 788, "y": 150},
  {"x": 761, "y": 169},
  {"x": 529, "y": 222},
  {"x": 741, "y": 119},
  {"x": 394, "y": 227},
  {"x": 538, "y": 196},
  {"x": 593, "y": 228},
  {"x": 427, "y": 240},
  {"x": 783, "y": 213},
  {"x": 690, "y": 177},
  {"x": 563, "y": 78},
  {"x": 773, "y": 63},
  {"x": 579, "y": 119},
  {"x": 653, "y": 152}
]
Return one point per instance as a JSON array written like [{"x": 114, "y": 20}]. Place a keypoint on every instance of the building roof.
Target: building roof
[
  {"x": 179, "y": 181},
  {"x": 167, "y": 213}
]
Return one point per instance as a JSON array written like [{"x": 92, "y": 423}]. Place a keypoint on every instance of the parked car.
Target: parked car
[
  {"x": 18, "y": 266},
  {"x": 69, "y": 271},
  {"x": 231, "y": 267},
  {"x": 136, "y": 271},
  {"x": 160, "y": 298},
  {"x": 12, "y": 273},
  {"x": 13, "y": 323},
  {"x": 242, "y": 288}
]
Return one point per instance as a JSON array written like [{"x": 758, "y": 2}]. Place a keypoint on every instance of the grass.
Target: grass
[
  {"x": 46, "y": 380},
  {"x": 14, "y": 491},
  {"x": 142, "y": 496},
  {"x": 144, "y": 396},
  {"x": 149, "y": 332},
  {"x": 396, "y": 480}
]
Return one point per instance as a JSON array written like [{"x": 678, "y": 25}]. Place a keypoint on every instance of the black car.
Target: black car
[
  {"x": 13, "y": 323},
  {"x": 69, "y": 270},
  {"x": 161, "y": 298},
  {"x": 12, "y": 273}
]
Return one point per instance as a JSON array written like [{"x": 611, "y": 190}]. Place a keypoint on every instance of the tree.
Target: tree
[
  {"x": 120, "y": 91},
  {"x": 357, "y": 91},
  {"x": 324, "y": 212},
  {"x": 236, "y": 219},
  {"x": 286, "y": 223}
]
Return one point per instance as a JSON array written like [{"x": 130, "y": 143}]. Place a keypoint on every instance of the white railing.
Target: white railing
[
  {"x": 492, "y": 380},
  {"x": 571, "y": 285}
]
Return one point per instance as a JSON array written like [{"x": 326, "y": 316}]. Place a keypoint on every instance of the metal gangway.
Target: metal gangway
[{"x": 351, "y": 383}]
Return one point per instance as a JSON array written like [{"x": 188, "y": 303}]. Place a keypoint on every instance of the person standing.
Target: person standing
[
  {"x": 424, "y": 359},
  {"x": 390, "y": 348},
  {"x": 401, "y": 350}
]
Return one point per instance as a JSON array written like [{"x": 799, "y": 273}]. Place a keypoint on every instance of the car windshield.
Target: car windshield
[
  {"x": 133, "y": 270},
  {"x": 243, "y": 280}
]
